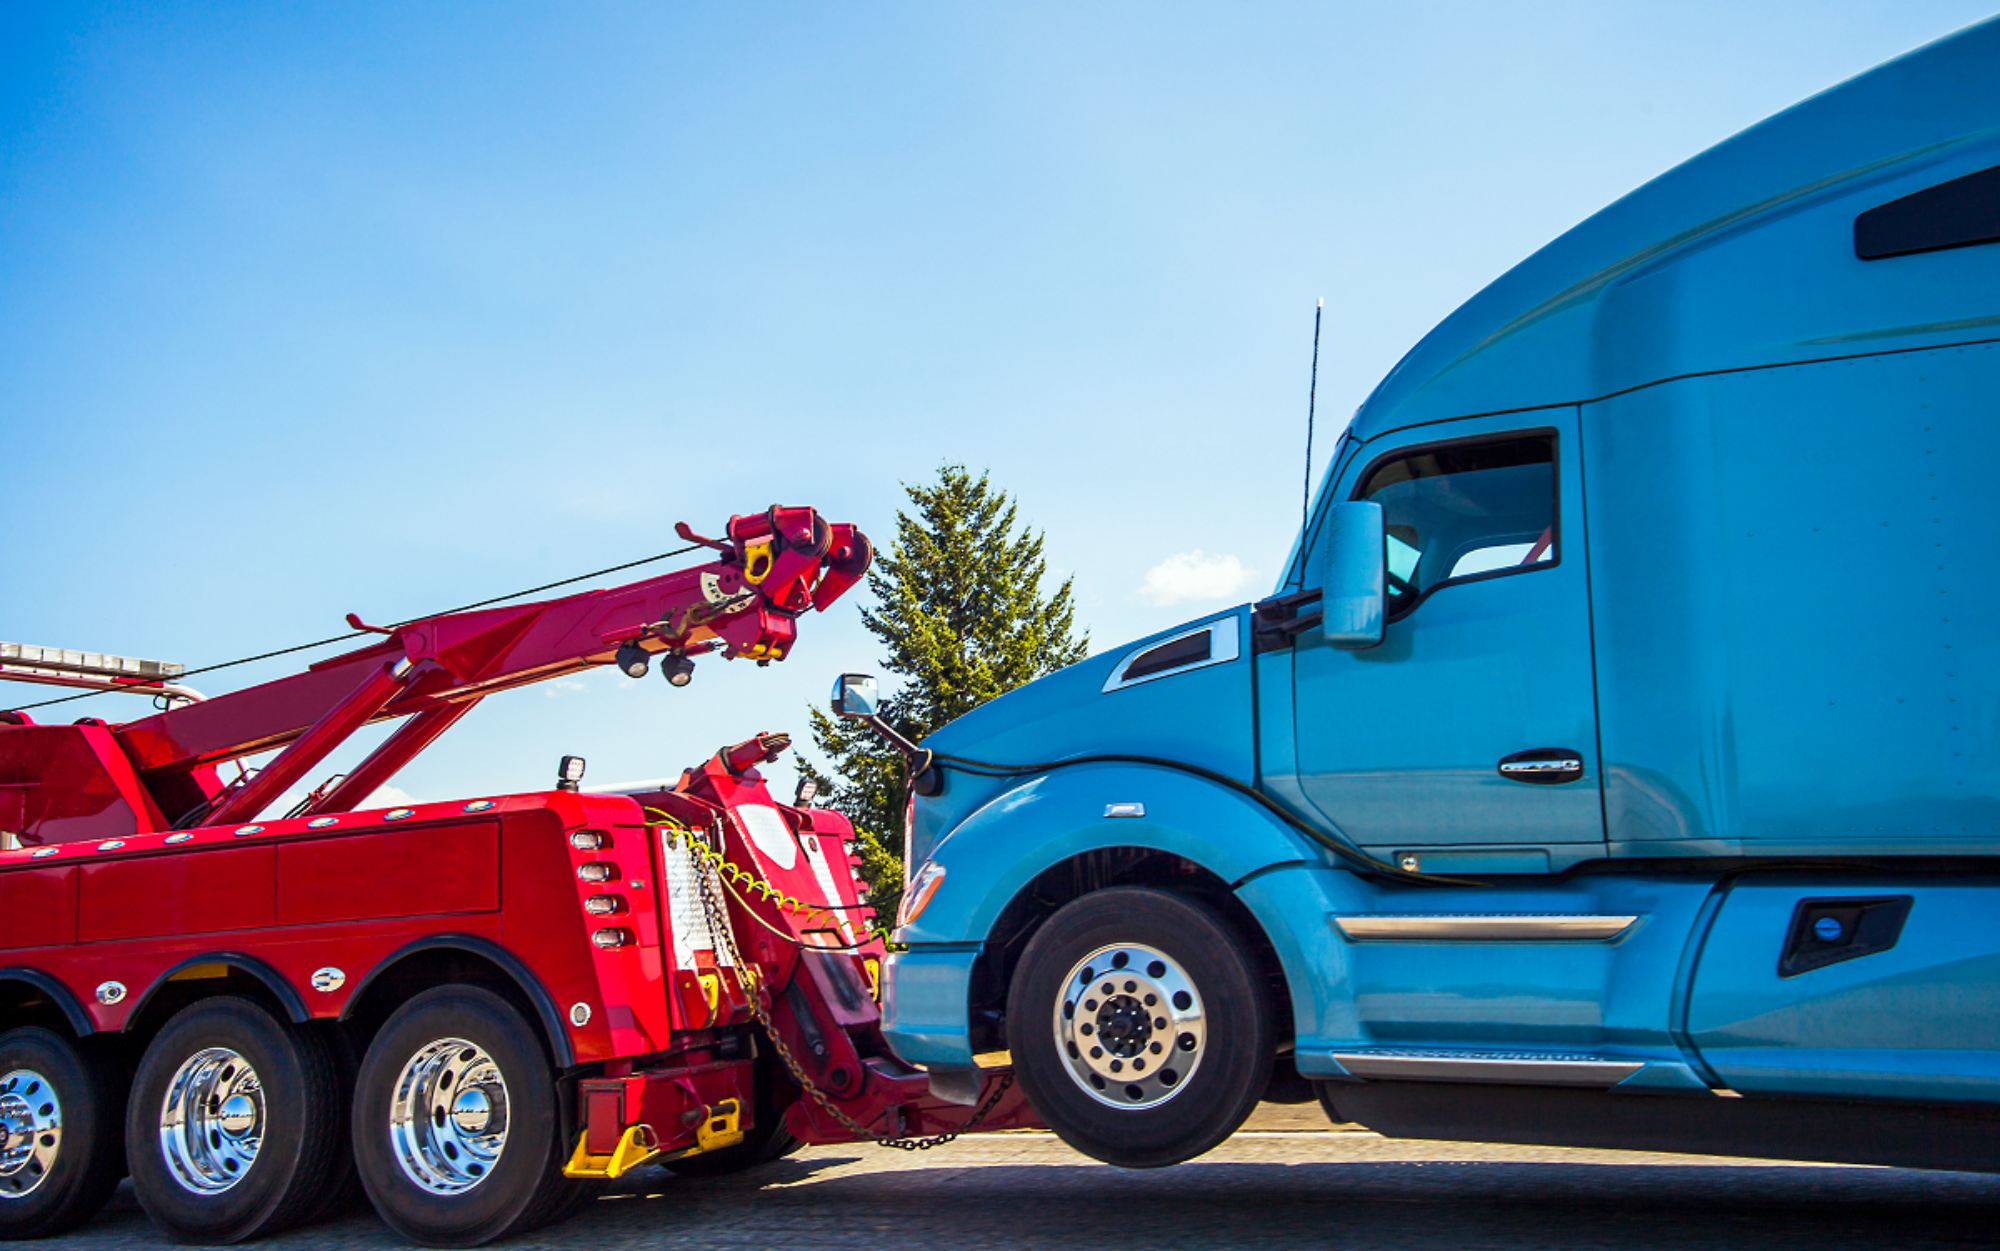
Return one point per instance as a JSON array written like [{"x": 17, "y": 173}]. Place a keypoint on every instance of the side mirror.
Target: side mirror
[
  {"x": 1352, "y": 561},
  {"x": 854, "y": 695}
]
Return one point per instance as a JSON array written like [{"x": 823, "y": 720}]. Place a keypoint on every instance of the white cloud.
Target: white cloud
[
  {"x": 388, "y": 797},
  {"x": 1186, "y": 577},
  {"x": 562, "y": 686}
]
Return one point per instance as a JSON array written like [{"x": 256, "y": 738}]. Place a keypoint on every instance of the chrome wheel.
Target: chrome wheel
[
  {"x": 1130, "y": 1027},
  {"x": 448, "y": 1119},
  {"x": 31, "y": 1118},
  {"x": 212, "y": 1120}
]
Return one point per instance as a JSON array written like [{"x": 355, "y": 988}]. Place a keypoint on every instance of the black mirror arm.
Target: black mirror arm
[
  {"x": 923, "y": 777},
  {"x": 1275, "y": 622}
]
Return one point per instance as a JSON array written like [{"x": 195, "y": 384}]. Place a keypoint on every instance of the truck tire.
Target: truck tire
[
  {"x": 61, "y": 1106},
  {"x": 456, "y": 1132},
  {"x": 232, "y": 1130},
  {"x": 1140, "y": 1028}
]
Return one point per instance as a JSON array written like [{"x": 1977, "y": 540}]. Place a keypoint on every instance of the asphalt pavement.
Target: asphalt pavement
[{"x": 1289, "y": 1181}]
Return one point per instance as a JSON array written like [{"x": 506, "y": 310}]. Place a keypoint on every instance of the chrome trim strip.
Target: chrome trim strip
[
  {"x": 1224, "y": 645},
  {"x": 1523, "y": 1068},
  {"x": 1525, "y": 927}
]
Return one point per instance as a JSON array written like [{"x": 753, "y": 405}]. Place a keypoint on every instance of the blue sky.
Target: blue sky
[{"x": 308, "y": 309}]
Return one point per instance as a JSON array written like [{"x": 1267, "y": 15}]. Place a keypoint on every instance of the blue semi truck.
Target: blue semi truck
[{"x": 1617, "y": 763}]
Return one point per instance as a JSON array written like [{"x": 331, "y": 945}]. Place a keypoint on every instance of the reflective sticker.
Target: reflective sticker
[
  {"x": 688, "y": 918},
  {"x": 829, "y": 893},
  {"x": 773, "y": 838}
]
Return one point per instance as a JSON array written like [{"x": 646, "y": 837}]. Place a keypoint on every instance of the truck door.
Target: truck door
[{"x": 1474, "y": 722}]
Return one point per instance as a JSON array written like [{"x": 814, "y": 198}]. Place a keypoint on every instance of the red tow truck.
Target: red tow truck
[{"x": 473, "y": 1010}]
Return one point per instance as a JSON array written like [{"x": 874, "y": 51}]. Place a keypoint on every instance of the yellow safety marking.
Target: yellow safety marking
[
  {"x": 711, "y": 990},
  {"x": 196, "y": 972},
  {"x": 635, "y": 1146},
  {"x": 757, "y": 561},
  {"x": 874, "y": 967},
  {"x": 721, "y": 1126}
]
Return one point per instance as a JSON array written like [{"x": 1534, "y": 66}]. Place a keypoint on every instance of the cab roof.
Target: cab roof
[{"x": 1743, "y": 256}]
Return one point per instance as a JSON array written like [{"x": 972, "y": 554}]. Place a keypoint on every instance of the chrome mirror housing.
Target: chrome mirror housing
[{"x": 855, "y": 695}]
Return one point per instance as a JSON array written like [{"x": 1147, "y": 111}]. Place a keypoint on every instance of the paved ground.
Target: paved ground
[{"x": 1289, "y": 1182}]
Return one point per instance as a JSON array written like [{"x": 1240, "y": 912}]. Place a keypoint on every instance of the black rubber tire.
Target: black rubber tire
[
  {"x": 526, "y": 1187},
  {"x": 301, "y": 1135},
  {"x": 1235, "y": 1065},
  {"x": 341, "y": 1192},
  {"x": 766, "y": 1140},
  {"x": 89, "y": 1157}
]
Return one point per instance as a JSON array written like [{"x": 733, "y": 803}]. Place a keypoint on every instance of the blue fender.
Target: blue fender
[{"x": 999, "y": 850}]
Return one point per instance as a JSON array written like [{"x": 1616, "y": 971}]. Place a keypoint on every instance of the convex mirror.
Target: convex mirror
[
  {"x": 1353, "y": 556},
  {"x": 854, "y": 695}
]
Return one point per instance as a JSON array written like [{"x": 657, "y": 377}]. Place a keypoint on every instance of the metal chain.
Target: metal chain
[{"x": 718, "y": 923}]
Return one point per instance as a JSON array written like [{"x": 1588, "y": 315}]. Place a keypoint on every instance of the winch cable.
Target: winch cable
[
  {"x": 357, "y": 634},
  {"x": 1340, "y": 847},
  {"x": 755, "y": 993}
]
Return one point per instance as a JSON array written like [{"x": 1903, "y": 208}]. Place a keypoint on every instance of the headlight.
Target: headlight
[{"x": 917, "y": 895}]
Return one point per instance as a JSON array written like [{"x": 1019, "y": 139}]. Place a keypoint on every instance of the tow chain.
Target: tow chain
[{"x": 717, "y": 911}]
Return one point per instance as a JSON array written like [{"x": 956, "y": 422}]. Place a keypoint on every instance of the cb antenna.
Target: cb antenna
[{"x": 1312, "y": 395}]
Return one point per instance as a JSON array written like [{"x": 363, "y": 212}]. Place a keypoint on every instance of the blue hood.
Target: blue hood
[{"x": 1203, "y": 716}]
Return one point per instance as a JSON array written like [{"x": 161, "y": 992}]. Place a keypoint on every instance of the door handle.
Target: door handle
[{"x": 1544, "y": 766}]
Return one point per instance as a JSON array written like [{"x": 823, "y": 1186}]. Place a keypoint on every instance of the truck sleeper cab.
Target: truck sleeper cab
[{"x": 1620, "y": 738}]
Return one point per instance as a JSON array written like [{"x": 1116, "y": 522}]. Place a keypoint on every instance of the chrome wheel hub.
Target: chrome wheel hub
[
  {"x": 31, "y": 1120},
  {"x": 212, "y": 1120},
  {"x": 448, "y": 1121},
  {"x": 1129, "y": 1024}
]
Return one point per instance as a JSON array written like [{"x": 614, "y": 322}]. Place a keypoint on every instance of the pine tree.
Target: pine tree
[{"x": 959, "y": 608}]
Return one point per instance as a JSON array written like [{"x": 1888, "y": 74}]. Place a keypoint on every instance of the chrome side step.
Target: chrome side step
[
  {"x": 1482, "y": 928},
  {"x": 1524, "y": 1068}
]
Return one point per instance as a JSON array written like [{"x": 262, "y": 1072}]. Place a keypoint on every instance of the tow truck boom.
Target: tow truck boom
[{"x": 771, "y": 567}]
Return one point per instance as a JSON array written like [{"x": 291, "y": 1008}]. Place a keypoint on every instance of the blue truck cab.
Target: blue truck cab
[{"x": 1617, "y": 763}]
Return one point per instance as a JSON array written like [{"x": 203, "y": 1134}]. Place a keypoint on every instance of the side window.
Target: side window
[{"x": 1459, "y": 510}]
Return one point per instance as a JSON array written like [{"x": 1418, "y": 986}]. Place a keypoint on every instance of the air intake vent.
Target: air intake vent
[{"x": 1955, "y": 214}]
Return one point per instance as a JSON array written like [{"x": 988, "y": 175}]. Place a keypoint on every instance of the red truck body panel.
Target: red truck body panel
[{"x": 133, "y": 878}]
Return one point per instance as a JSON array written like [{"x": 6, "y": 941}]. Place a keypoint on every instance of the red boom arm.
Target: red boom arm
[{"x": 772, "y": 567}]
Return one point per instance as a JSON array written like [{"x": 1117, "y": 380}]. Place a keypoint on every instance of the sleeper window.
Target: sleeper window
[{"x": 1459, "y": 510}]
